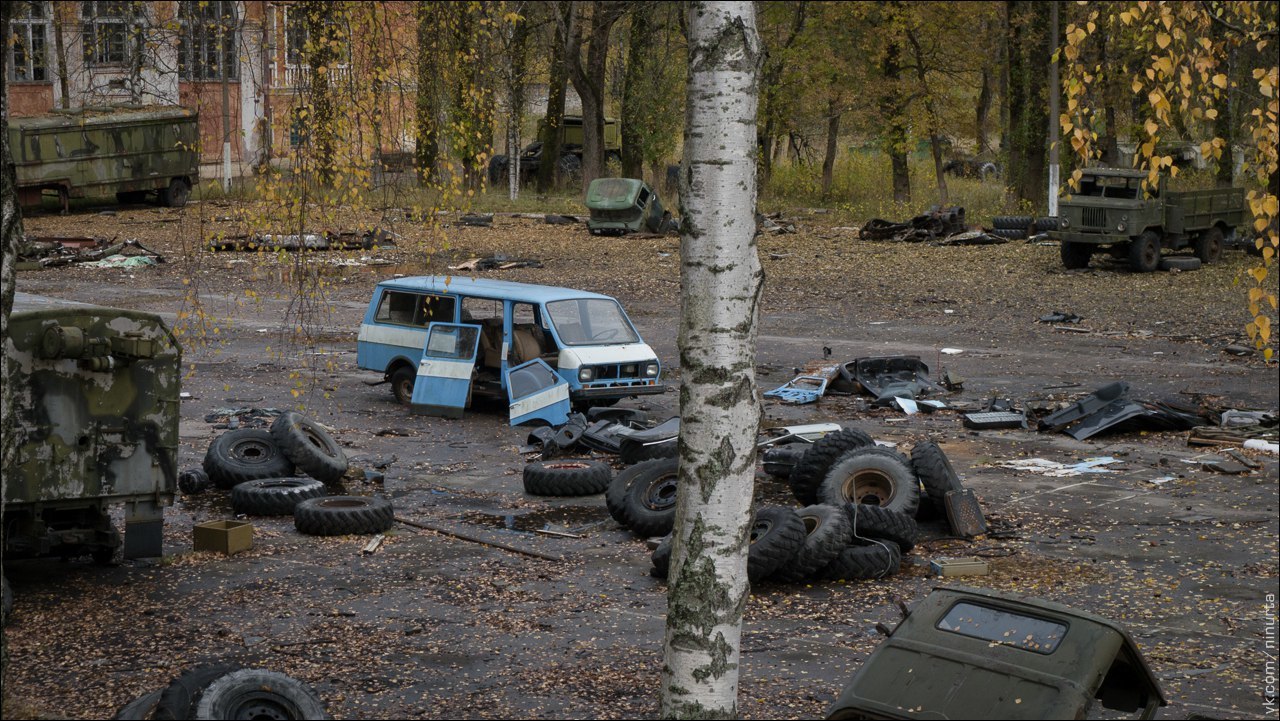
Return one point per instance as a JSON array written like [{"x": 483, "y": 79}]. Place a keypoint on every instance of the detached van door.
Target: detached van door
[
  {"x": 443, "y": 384},
  {"x": 536, "y": 392}
]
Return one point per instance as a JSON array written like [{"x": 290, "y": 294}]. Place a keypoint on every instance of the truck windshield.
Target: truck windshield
[
  {"x": 1004, "y": 627},
  {"x": 1109, "y": 186},
  {"x": 591, "y": 321}
]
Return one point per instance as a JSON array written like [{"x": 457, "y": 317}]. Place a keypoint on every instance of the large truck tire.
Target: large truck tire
[
  {"x": 812, "y": 467},
  {"x": 343, "y": 516},
  {"x": 873, "y": 476},
  {"x": 310, "y": 447},
  {"x": 245, "y": 454}
]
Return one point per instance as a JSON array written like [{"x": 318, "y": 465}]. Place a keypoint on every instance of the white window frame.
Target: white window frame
[
  {"x": 26, "y": 27},
  {"x": 199, "y": 35}
]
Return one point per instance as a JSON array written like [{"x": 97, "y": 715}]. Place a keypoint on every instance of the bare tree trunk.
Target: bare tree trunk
[
  {"x": 60, "y": 49},
  {"x": 566, "y": 30},
  {"x": 427, "y": 105},
  {"x": 770, "y": 77},
  {"x": 984, "y": 109},
  {"x": 829, "y": 158},
  {"x": 640, "y": 51},
  {"x": 896, "y": 138},
  {"x": 719, "y": 410},
  {"x": 589, "y": 80},
  {"x": 931, "y": 117}
]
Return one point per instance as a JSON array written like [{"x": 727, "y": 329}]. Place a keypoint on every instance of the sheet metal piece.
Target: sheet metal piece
[{"x": 798, "y": 390}]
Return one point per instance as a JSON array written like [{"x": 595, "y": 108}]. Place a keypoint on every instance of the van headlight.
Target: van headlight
[
  {"x": 586, "y": 374},
  {"x": 651, "y": 370}
]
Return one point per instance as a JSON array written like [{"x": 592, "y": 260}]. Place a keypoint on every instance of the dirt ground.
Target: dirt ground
[{"x": 433, "y": 626}]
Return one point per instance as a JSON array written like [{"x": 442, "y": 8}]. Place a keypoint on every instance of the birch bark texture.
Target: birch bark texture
[{"x": 719, "y": 408}]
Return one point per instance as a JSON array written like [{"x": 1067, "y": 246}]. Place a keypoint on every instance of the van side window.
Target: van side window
[
  {"x": 397, "y": 307},
  {"x": 434, "y": 309}
]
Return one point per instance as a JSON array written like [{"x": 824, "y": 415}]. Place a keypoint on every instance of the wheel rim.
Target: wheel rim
[
  {"x": 404, "y": 391},
  {"x": 1150, "y": 253},
  {"x": 252, "y": 452},
  {"x": 320, "y": 442},
  {"x": 263, "y": 708},
  {"x": 869, "y": 487},
  {"x": 661, "y": 494}
]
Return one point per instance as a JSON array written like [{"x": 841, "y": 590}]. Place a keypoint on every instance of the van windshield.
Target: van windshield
[{"x": 591, "y": 321}]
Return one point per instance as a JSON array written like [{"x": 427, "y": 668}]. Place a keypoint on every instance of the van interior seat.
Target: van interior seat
[
  {"x": 491, "y": 342},
  {"x": 525, "y": 344}
]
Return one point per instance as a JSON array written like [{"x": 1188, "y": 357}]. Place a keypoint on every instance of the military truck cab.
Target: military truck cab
[
  {"x": 625, "y": 205},
  {"x": 441, "y": 340},
  {"x": 96, "y": 393},
  {"x": 979, "y": 654}
]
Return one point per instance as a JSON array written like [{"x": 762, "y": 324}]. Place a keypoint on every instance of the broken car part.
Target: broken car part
[{"x": 802, "y": 389}]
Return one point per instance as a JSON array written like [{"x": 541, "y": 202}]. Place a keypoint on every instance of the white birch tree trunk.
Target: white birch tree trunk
[{"x": 719, "y": 407}]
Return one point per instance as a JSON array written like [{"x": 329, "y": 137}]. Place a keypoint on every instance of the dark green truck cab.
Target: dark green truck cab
[
  {"x": 980, "y": 654},
  {"x": 1112, "y": 210}
]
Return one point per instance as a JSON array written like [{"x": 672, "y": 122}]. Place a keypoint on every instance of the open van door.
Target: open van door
[
  {"x": 537, "y": 393},
  {"x": 443, "y": 384}
]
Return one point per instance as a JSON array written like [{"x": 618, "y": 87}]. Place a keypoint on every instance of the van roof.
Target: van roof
[{"x": 487, "y": 288}]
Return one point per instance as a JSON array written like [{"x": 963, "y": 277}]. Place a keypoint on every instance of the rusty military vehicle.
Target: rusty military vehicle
[
  {"x": 128, "y": 152},
  {"x": 96, "y": 393}
]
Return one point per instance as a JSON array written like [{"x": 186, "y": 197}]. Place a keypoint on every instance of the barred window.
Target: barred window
[
  {"x": 207, "y": 44},
  {"x": 29, "y": 26},
  {"x": 107, "y": 28}
]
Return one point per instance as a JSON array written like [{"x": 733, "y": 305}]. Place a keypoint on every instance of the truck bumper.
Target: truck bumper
[{"x": 1090, "y": 238}]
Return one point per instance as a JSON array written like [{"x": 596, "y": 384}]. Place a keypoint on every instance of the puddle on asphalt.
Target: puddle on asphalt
[{"x": 569, "y": 519}]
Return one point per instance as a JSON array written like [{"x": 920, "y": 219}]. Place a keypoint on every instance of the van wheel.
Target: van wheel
[
  {"x": 402, "y": 385},
  {"x": 176, "y": 195},
  {"x": 1144, "y": 252},
  {"x": 1209, "y": 246}
]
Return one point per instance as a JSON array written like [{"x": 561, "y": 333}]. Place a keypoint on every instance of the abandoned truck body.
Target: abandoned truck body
[
  {"x": 1113, "y": 210},
  {"x": 439, "y": 339},
  {"x": 974, "y": 653},
  {"x": 96, "y": 393},
  {"x": 99, "y": 152},
  {"x": 625, "y": 205}
]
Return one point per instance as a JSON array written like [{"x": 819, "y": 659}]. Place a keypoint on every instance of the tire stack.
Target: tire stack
[
  {"x": 1020, "y": 227},
  {"x": 227, "y": 691}
]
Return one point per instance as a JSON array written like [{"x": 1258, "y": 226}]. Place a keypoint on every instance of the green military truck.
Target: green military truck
[
  {"x": 1113, "y": 211},
  {"x": 571, "y": 139},
  {"x": 128, "y": 152},
  {"x": 96, "y": 393}
]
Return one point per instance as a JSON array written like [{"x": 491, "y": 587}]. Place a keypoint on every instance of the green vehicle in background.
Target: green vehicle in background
[
  {"x": 128, "y": 152},
  {"x": 625, "y": 205},
  {"x": 96, "y": 394},
  {"x": 1113, "y": 211}
]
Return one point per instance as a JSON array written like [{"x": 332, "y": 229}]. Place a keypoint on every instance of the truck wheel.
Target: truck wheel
[
  {"x": 874, "y": 476},
  {"x": 934, "y": 471},
  {"x": 1013, "y": 222},
  {"x": 245, "y": 454},
  {"x": 273, "y": 496},
  {"x": 650, "y": 506},
  {"x": 615, "y": 496},
  {"x": 1075, "y": 255},
  {"x": 566, "y": 477},
  {"x": 877, "y": 560},
  {"x": 402, "y": 385},
  {"x": 309, "y": 447},
  {"x": 258, "y": 694},
  {"x": 343, "y": 515},
  {"x": 817, "y": 460},
  {"x": 777, "y": 534},
  {"x": 883, "y": 524},
  {"x": 828, "y": 533},
  {"x": 176, "y": 195},
  {"x": 1144, "y": 252},
  {"x": 1209, "y": 246},
  {"x": 178, "y": 700},
  {"x": 139, "y": 708}
]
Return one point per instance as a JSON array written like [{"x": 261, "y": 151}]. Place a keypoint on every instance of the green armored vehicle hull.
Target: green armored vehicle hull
[
  {"x": 1112, "y": 211},
  {"x": 128, "y": 153},
  {"x": 96, "y": 393}
]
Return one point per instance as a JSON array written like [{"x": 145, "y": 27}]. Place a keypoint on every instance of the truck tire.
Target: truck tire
[
  {"x": 343, "y": 516},
  {"x": 827, "y": 534},
  {"x": 402, "y": 380},
  {"x": 777, "y": 534},
  {"x": 193, "y": 481},
  {"x": 779, "y": 461},
  {"x": 877, "y": 560},
  {"x": 631, "y": 452},
  {"x": 873, "y": 523},
  {"x": 615, "y": 496},
  {"x": 812, "y": 467},
  {"x": 258, "y": 694},
  {"x": 1075, "y": 255},
  {"x": 1180, "y": 262},
  {"x": 874, "y": 476},
  {"x": 1012, "y": 222},
  {"x": 178, "y": 700},
  {"x": 566, "y": 477},
  {"x": 176, "y": 195},
  {"x": 935, "y": 472},
  {"x": 138, "y": 709},
  {"x": 649, "y": 508},
  {"x": 661, "y": 559},
  {"x": 309, "y": 446},
  {"x": 1044, "y": 225},
  {"x": 245, "y": 454},
  {"x": 1209, "y": 246},
  {"x": 1144, "y": 252},
  {"x": 273, "y": 496}
]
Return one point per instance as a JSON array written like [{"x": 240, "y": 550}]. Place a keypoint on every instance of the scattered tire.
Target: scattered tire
[
  {"x": 1144, "y": 253},
  {"x": 273, "y": 496},
  {"x": 257, "y": 694},
  {"x": 777, "y": 534},
  {"x": 402, "y": 385},
  {"x": 818, "y": 459},
  {"x": 245, "y": 454},
  {"x": 874, "y": 476},
  {"x": 309, "y": 446},
  {"x": 343, "y": 515},
  {"x": 779, "y": 461},
  {"x": 566, "y": 477},
  {"x": 935, "y": 472},
  {"x": 1180, "y": 262},
  {"x": 140, "y": 708},
  {"x": 828, "y": 533},
  {"x": 630, "y": 452},
  {"x": 1075, "y": 255},
  {"x": 193, "y": 481},
  {"x": 882, "y": 524},
  {"x": 615, "y": 496},
  {"x": 661, "y": 559},
  {"x": 649, "y": 508},
  {"x": 178, "y": 700},
  {"x": 1010, "y": 233},
  {"x": 877, "y": 560},
  {"x": 1013, "y": 222},
  {"x": 1208, "y": 246},
  {"x": 1044, "y": 225}
]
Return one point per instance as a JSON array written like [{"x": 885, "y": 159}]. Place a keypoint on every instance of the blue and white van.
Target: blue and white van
[{"x": 440, "y": 339}]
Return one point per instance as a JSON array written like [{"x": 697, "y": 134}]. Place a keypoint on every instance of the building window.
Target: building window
[
  {"x": 207, "y": 44},
  {"x": 107, "y": 28},
  {"x": 29, "y": 27},
  {"x": 297, "y": 37}
]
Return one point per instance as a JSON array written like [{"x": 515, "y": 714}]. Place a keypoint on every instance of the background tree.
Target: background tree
[
  {"x": 589, "y": 79},
  {"x": 719, "y": 410},
  {"x": 652, "y": 88},
  {"x": 782, "y": 24},
  {"x": 1027, "y": 33}
]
